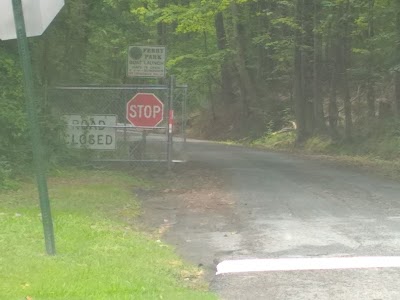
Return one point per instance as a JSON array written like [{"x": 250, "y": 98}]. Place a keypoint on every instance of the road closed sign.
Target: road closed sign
[
  {"x": 146, "y": 61},
  {"x": 95, "y": 132}
]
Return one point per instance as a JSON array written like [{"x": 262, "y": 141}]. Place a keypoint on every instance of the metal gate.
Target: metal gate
[{"x": 95, "y": 124}]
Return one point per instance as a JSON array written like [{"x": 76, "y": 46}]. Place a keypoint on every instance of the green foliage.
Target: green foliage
[
  {"x": 383, "y": 143},
  {"x": 13, "y": 128},
  {"x": 318, "y": 144},
  {"x": 285, "y": 140},
  {"x": 6, "y": 175},
  {"x": 12, "y": 117}
]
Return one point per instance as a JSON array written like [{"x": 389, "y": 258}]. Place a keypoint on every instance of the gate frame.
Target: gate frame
[{"x": 169, "y": 88}]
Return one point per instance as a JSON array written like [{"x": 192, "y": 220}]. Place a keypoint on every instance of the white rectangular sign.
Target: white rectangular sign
[
  {"x": 38, "y": 14},
  {"x": 91, "y": 132},
  {"x": 146, "y": 61}
]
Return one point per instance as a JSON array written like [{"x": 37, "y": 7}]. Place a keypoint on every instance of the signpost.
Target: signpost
[
  {"x": 37, "y": 23},
  {"x": 95, "y": 132},
  {"x": 146, "y": 61},
  {"x": 145, "y": 110}
]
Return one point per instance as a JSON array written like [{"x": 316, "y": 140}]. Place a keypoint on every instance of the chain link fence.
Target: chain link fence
[
  {"x": 180, "y": 121},
  {"x": 95, "y": 124}
]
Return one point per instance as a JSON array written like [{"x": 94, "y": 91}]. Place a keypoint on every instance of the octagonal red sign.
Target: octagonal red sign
[{"x": 145, "y": 110}]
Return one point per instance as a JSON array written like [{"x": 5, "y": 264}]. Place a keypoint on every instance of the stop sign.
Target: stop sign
[{"x": 145, "y": 110}]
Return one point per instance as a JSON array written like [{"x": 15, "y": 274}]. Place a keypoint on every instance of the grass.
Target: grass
[
  {"x": 276, "y": 141},
  {"x": 98, "y": 255}
]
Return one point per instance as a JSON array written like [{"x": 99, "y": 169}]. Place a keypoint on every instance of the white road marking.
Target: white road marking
[{"x": 297, "y": 264}]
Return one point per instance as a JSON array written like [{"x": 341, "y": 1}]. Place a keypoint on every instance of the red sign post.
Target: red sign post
[{"x": 145, "y": 110}]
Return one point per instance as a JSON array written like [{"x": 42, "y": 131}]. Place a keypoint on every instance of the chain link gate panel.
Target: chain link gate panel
[
  {"x": 180, "y": 121},
  {"x": 95, "y": 123}
]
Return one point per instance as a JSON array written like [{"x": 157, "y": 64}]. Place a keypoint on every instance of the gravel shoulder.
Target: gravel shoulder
[{"x": 193, "y": 211}]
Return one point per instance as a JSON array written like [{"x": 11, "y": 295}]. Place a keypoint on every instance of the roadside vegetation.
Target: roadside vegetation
[
  {"x": 100, "y": 254},
  {"x": 379, "y": 152},
  {"x": 383, "y": 147}
]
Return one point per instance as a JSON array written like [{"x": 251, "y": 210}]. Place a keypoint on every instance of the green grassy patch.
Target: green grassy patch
[
  {"x": 276, "y": 141},
  {"x": 98, "y": 255}
]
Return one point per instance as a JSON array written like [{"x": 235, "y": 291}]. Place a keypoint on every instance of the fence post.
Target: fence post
[
  {"x": 143, "y": 144},
  {"x": 184, "y": 113},
  {"x": 170, "y": 121}
]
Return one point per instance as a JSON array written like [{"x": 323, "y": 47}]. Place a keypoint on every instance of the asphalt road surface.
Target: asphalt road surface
[{"x": 289, "y": 207}]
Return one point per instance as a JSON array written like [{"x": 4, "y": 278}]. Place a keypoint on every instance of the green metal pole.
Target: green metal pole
[
  {"x": 33, "y": 123},
  {"x": 185, "y": 117}
]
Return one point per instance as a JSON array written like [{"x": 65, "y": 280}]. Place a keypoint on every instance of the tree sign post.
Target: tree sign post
[
  {"x": 38, "y": 15},
  {"x": 145, "y": 110}
]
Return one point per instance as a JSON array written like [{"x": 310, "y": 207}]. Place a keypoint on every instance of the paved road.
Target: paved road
[{"x": 288, "y": 207}]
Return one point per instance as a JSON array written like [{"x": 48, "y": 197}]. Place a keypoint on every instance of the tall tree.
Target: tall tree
[
  {"x": 303, "y": 69},
  {"x": 299, "y": 97},
  {"x": 161, "y": 26},
  {"x": 397, "y": 55},
  {"x": 226, "y": 67},
  {"x": 246, "y": 84},
  {"x": 317, "y": 64},
  {"x": 333, "y": 113},
  {"x": 346, "y": 63},
  {"x": 370, "y": 62}
]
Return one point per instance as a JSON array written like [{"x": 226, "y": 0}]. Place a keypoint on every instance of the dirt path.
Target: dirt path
[{"x": 193, "y": 212}]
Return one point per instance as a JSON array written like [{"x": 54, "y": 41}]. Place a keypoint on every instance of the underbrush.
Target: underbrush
[
  {"x": 279, "y": 141},
  {"x": 381, "y": 142},
  {"x": 7, "y": 181},
  {"x": 378, "y": 150}
]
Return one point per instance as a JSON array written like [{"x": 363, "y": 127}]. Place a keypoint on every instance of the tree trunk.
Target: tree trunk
[
  {"x": 262, "y": 28},
  {"x": 227, "y": 94},
  {"x": 370, "y": 67},
  {"x": 348, "y": 125},
  {"x": 162, "y": 28},
  {"x": 397, "y": 73},
  {"x": 303, "y": 70},
  {"x": 265, "y": 64},
  {"x": 209, "y": 81},
  {"x": 346, "y": 62},
  {"x": 299, "y": 99},
  {"x": 247, "y": 88},
  {"x": 307, "y": 63},
  {"x": 332, "y": 108},
  {"x": 319, "y": 117}
]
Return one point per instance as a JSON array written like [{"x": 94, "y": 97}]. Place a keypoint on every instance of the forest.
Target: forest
[{"x": 328, "y": 68}]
